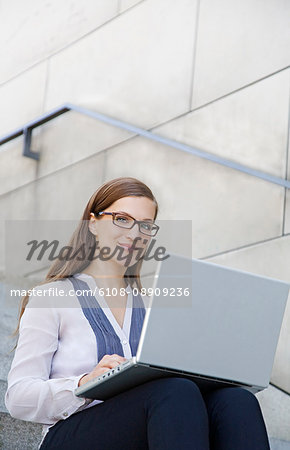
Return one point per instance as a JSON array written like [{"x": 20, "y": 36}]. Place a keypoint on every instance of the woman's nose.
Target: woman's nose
[{"x": 133, "y": 232}]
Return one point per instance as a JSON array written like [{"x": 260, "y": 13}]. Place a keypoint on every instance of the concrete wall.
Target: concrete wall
[{"x": 213, "y": 75}]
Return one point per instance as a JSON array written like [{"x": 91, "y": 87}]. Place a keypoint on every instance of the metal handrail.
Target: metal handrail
[{"x": 26, "y": 130}]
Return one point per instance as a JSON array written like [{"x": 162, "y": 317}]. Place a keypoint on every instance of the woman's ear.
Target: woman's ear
[{"x": 93, "y": 224}]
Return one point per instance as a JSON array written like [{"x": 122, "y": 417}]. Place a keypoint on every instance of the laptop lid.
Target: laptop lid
[{"x": 227, "y": 328}]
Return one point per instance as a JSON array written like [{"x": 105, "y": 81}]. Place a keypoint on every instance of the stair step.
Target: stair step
[
  {"x": 3, "y": 387},
  {"x": 17, "y": 434},
  {"x": 277, "y": 444}
]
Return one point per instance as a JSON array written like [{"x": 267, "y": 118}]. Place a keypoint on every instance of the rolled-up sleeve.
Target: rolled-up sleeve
[{"x": 31, "y": 394}]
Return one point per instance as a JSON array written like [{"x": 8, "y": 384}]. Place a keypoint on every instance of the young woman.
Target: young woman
[{"x": 63, "y": 343}]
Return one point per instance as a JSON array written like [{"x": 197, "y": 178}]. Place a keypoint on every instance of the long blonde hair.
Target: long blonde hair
[{"x": 104, "y": 197}]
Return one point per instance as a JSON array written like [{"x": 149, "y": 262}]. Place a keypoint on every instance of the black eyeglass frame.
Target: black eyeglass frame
[{"x": 139, "y": 222}]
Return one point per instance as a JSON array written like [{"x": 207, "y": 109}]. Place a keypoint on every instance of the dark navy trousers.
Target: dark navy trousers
[{"x": 165, "y": 414}]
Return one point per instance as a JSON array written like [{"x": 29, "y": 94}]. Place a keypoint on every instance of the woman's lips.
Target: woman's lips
[{"x": 128, "y": 246}]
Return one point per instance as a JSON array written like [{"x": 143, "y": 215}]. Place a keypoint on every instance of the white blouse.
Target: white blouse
[{"x": 56, "y": 347}]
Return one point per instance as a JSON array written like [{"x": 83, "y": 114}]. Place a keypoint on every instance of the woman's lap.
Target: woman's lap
[
  {"x": 123, "y": 422},
  {"x": 103, "y": 426}
]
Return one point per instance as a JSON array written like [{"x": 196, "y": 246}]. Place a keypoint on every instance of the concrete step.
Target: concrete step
[
  {"x": 275, "y": 405},
  {"x": 17, "y": 434},
  {"x": 20, "y": 435},
  {"x": 277, "y": 444},
  {"x": 3, "y": 387}
]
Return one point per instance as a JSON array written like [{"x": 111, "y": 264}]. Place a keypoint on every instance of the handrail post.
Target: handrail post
[{"x": 27, "y": 134}]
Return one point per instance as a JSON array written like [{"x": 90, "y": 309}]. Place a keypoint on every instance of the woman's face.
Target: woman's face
[{"x": 110, "y": 235}]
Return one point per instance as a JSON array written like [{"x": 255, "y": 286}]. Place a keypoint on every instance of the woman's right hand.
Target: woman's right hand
[{"x": 107, "y": 362}]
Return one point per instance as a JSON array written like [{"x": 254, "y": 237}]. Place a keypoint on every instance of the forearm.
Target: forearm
[{"x": 44, "y": 401}]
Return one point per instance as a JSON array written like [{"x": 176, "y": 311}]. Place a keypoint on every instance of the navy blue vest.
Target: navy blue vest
[{"x": 108, "y": 342}]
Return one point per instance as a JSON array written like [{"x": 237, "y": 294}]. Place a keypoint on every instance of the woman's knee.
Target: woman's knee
[
  {"x": 235, "y": 398},
  {"x": 239, "y": 395},
  {"x": 175, "y": 387},
  {"x": 171, "y": 397}
]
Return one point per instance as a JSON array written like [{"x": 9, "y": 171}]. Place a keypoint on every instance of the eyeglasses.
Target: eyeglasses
[{"x": 125, "y": 221}]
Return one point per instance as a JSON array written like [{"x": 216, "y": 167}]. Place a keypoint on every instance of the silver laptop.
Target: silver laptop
[{"x": 215, "y": 325}]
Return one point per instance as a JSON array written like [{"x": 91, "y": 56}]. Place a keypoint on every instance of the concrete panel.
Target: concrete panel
[
  {"x": 73, "y": 137},
  {"x": 249, "y": 127},
  {"x": 21, "y": 99},
  {"x": 137, "y": 68},
  {"x": 17, "y": 204},
  {"x": 228, "y": 209},
  {"x": 238, "y": 43},
  {"x": 287, "y": 193},
  {"x": 75, "y": 185},
  {"x": 270, "y": 259},
  {"x": 60, "y": 196},
  {"x": 33, "y": 32},
  {"x": 276, "y": 411},
  {"x": 15, "y": 169},
  {"x": 125, "y": 4}
]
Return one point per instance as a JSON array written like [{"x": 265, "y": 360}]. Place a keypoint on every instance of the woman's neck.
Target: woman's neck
[{"x": 107, "y": 282}]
